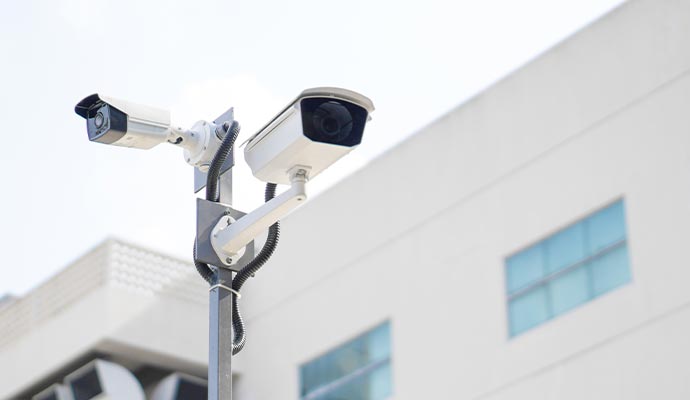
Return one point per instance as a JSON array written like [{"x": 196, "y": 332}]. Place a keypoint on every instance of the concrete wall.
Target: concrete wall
[{"x": 419, "y": 236}]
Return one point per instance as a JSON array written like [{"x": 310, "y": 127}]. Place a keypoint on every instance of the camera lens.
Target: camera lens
[
  {"x": 98, "y": 120},
  {"x": 330, "y": 125},
  {"x": 332, "y": 120}
]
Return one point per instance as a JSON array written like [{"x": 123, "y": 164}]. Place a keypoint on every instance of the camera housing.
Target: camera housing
[
  {"x": 122, "y": 123},
  {"x": 319, "y": 127}
]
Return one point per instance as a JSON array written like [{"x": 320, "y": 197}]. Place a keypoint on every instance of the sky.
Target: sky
[{"x": 63, "y": 195}]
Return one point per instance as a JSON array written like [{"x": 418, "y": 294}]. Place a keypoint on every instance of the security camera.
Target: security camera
[
  {"x": 122, "y": 123},
  {"x": 310, "y": 134},
  {"x": 319, "y": 127}
]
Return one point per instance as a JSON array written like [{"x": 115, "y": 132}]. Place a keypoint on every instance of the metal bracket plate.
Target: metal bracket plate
[
  {"x": 200, "y": 177},
  {"x": 207, "y": 215}
]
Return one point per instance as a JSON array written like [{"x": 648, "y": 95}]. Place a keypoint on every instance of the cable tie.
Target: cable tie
[{"x": 229, "y": 289}]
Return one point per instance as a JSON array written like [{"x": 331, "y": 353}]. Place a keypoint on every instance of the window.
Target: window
[
  {"x": 357, "y": 370},
  {"x": 567, "y": 269}
]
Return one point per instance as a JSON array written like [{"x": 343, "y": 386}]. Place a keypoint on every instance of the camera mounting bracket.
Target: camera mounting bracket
[
  {"x": 228, "y": 238},
  {"x": 200, "y": 176},
  {"x": 208, "y": 213}
]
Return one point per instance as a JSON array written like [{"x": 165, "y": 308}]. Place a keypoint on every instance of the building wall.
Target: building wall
[{"x": 419, "y": 236}]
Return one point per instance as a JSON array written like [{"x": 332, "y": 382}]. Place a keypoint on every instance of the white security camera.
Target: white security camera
[
  {"x": 319, "y": 127},
  {"x": 122, "y": 123},
  {"x": 310, "y": 134}
]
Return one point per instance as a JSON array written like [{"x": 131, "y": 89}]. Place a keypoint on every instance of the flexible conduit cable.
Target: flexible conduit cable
[{"x": 206, "y": 272}]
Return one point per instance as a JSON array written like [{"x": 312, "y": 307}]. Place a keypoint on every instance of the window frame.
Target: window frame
[
  {"x": 353, "y": 375},
  {"x": 548, "y": 277}
]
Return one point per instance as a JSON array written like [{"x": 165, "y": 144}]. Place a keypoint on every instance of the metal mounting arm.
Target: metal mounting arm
[{"x": 229, "y": 237}]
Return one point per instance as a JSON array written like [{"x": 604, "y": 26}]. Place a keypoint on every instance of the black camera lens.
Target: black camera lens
[
  {"x": 98, "y": 120},
  {"x": 333, "y": 120},
  {"x": 330, "y": 125}
]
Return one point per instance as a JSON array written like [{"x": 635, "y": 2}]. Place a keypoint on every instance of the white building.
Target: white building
[
  {"x": 528, "y": 245},
  {"x": 137, "y": 308}
]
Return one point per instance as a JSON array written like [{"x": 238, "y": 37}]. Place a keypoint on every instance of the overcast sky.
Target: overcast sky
[{"x": 62, "y": 195}]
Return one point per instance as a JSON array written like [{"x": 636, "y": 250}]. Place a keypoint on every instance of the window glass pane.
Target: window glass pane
[
  {"x": 528, "y": 310},
  {"x": 606, "y": 227},
  {"x": 375, "y": 385},
  {"x": 335, "y": 364},
  {"x": 569, "y": 290},
  {"x": 349, "y": 358},
  {"x": 525, "y": 267},
  {"x": 378, "y": 343},
  {"x": 610, "y": 270},
  {"x": 566, "y": 247},
  {"x": 381, "y": 383},
  {"x": 552, "y": 277}
]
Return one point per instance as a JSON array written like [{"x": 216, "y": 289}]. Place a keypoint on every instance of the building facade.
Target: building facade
[
  {"x": 145, "y": 311},
  {"x": 421, "y": 238},
  {"x": 527, "y": 245}
]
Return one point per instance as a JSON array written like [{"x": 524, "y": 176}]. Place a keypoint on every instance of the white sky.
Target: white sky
[{"x": 63, "y": 195}]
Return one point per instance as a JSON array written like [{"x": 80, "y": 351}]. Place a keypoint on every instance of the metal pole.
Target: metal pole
[
  {"x": 220, "y": 319},
  {"x": 220, "y": 343}
]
